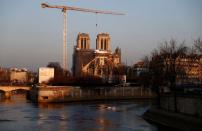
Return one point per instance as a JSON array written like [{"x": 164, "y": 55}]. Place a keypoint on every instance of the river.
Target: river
[{"x": 19, "y": 114}]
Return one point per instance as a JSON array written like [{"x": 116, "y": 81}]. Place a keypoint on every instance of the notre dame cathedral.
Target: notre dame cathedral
[{"x": 98, "y": 62}]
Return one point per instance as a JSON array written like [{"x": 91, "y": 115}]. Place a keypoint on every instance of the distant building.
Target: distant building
[
  {"x": 192, "y": 68},
  {"x": 98, "y": 62},
  {"x": 139, "y": 67},
  {"x": 18, "y": 75},
  {"x": 4, "y": 75},
  {"x": 135, "y": 71},
  {"x": 188, "y": 69},
  {"x": 45, "y": 74}
]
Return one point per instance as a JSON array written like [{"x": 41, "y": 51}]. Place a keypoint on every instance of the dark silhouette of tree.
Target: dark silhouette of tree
[
  {"x": 4, "y": 76},
  {"x": 171, "y": 54},
  {"x": 156, "y": 69},
  {"x": 198, "y": 45},
  {"x": 196, "y": 56},
  {"x": 118, "y": 71},
  {"x": 144, "y": 77},
  {"x": 165, "y": 66},
  {"x": 61, "y": 76}
]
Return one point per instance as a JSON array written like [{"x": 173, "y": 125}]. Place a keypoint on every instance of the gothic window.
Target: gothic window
[
  {"x": 81, "y": 43},
  {"x": 85, "y": 43},
  {"x": 102, "y": 43},
  {"x": 105, "y": 44}
]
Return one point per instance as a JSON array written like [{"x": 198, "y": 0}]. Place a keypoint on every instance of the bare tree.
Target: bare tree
[
  {"x": 156, "y": 74},
  {"x": 198, "y": 56},
  {"x": 144, "y": 77},
  {"x": 172, "y": 54},
  {"x": 146, "y": 60},
  {"x": 198, "y": 45},
  {"x": 165, "y": 65}
]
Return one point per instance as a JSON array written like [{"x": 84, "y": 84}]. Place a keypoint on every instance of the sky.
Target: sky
[{"x": 31, "y": 36}]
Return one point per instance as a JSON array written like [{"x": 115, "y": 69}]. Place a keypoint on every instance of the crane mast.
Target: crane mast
[
  {"x": 65, "y": 65},
  {"x": 64, "y": 11}
]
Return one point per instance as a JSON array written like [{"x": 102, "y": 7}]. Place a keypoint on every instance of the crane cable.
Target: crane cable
[{"x": 96, "y": 25}]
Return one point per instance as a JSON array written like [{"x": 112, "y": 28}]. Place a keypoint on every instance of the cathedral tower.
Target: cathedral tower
[
  {"x": 103, "y": 42},
  {"x": 83, "y": 41}
]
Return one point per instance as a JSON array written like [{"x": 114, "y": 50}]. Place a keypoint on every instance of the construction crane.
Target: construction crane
[{"x": 64, "y": 11}]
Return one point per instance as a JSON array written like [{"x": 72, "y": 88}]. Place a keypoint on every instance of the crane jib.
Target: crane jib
[{"x": 44, "y": 5}]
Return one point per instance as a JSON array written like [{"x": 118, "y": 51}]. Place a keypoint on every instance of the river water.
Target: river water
[{"x": 19, "y": 114}]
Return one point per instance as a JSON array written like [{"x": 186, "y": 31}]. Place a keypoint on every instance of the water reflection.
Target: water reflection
[
  {"x": 88, "y": 116},
  {"x": 51, "y": 105}
]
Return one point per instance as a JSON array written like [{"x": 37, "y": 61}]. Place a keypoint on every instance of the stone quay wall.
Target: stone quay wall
[
  {"x": 190, "y": 104},
  {"x": 67, "y": 94}
]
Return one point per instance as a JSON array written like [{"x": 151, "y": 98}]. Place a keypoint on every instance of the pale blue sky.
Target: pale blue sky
[{"x": 31, "y": 37}]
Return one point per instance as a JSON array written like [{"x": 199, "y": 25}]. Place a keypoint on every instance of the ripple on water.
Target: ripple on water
[
  {"x": 6, "y": 120},
  {"x": 59, "y": 118}
]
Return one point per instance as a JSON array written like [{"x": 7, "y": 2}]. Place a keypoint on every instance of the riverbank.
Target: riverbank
[{"x": 177, "y": 121}]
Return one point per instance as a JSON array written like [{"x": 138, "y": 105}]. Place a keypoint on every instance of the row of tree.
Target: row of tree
[
  {"x": 164, "y": 65},
  {"x": 164, "y": 62}
]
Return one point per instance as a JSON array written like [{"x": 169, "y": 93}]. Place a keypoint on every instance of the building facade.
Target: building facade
[
  {"x": 192, "y": 68},
  {"x": 4, "y": 75},
  {"x": 45, "y": 74},
  {"x": 98, "y": 62},
  {"x": 18, "y": 75},
  {"x": 188, "y": 69}
]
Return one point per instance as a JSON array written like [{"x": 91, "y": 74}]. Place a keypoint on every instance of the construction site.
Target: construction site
[{"x": 99, "y": 65}]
